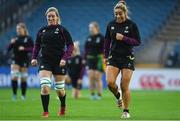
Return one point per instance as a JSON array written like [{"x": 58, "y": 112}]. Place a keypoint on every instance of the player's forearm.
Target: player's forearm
[
  {"x": 35, "y": 51},
  {"x": 68, "y": 52},
  {"x": 106, "y": 48},
  {"x": 131, "y": 41},
  {"x": 85, "y": 53},
  {"x": 28, "y": 49}
]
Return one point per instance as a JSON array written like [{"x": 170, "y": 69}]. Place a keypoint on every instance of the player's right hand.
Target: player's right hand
[
  {"x": 119, "y": 36},
  {"x": 34, "y": 62}
]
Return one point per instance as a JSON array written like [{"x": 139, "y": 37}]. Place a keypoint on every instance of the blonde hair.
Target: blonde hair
[
  {"x": 56, "y": 11},
  {"x": 96, "y": 25},
  {"x": 23, "y": 25},
  {"x": 122, "y": 5}
]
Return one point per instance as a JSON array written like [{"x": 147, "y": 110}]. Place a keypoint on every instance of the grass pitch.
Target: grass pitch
[{"x": 145, "y": 105}]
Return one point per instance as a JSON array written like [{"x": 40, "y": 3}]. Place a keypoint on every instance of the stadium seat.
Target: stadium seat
[{"x": 146, "y": 14}]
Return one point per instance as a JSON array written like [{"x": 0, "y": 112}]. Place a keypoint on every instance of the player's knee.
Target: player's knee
[
  {"x": 59, "y": 86},
  {"x": 15, "y": 74},
  {"x": 24, "y": 76},
  {"x": 45, "y": 90},
  {"x": 45, "y": 83}
]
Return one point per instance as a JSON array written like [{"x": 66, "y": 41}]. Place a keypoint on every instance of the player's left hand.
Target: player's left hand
[
  {"x": 62, "y": 63},
  {"x": 21, "y": 48},
  {"x": 119, "y": 36}
]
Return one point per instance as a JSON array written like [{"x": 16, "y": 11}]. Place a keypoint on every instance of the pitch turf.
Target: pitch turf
[{"x": 145, "y": 105}]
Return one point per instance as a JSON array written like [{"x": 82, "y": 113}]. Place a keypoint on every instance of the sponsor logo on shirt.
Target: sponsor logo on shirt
[{"x": 112, "y": 28}]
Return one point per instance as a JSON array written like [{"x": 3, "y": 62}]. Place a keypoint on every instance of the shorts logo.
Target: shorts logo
[
  {"x": 42, "y": 66},
  {"x": 110, "y": 57},
  {"x": 131, "y": 58},
  {"x": 129, "y": 64}
]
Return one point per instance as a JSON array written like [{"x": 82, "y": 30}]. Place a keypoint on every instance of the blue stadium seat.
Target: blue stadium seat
[{"x": 76, "y": 15}]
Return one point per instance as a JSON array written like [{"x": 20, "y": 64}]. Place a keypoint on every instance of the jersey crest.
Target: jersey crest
[
  {"x": 57, "y": 31},
  {"x": 126, "y": 29},
  {"x": 25, "y": 40},
  {"x": 98, "y": 40}
]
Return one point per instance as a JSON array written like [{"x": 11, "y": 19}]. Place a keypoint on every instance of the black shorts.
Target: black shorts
[
  {"x": 122, "y": 62},
  {"x": 52, "y": 66},
  {"x": 74, "y": 81},
  {"x": 95, "y": 63},
  {"x": 21, "y": 62}
]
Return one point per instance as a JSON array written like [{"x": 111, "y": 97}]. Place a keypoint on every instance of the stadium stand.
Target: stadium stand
[
  {"x": 147, "y": 14},
  {"x": 12, "y": 10},
  {"x": 163, "y": 41}
]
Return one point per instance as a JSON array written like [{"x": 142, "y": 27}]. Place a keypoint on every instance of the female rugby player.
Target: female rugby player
[
  {"x": 121, "y": 36},
  {"x": 75, "y": 68},
  {"x": 22, "y": 45},
  {"x": 94, "y": 59},
  {"x": 56, "y": 46}
]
